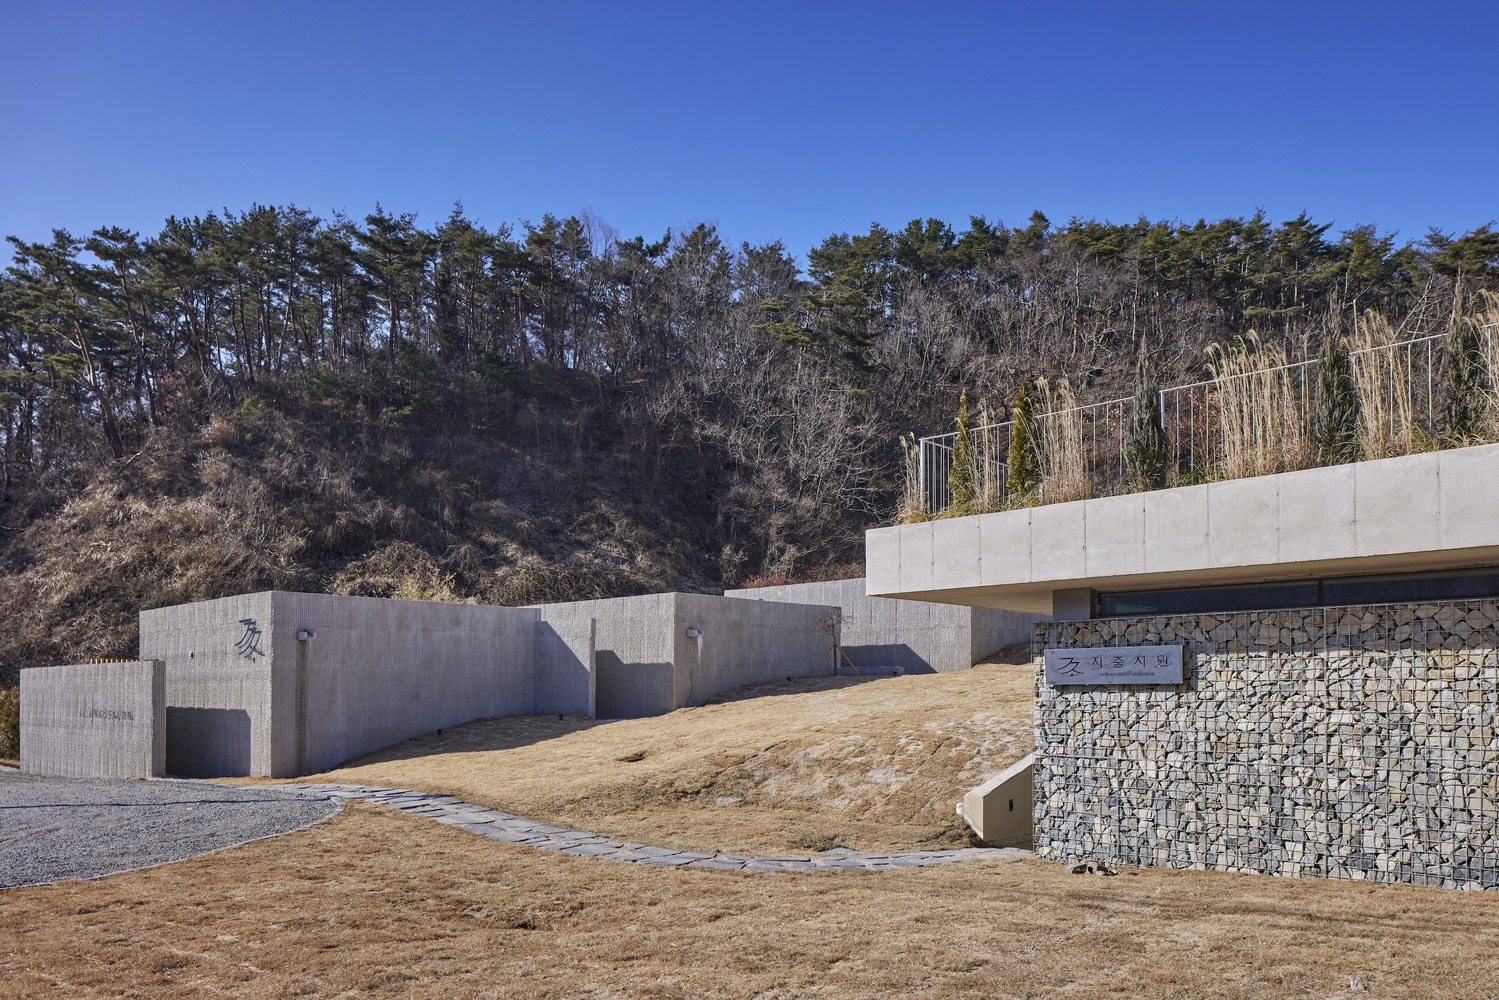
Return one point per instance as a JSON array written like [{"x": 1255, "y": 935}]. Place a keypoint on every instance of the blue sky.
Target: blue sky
[{"x": 770, "y": 120}]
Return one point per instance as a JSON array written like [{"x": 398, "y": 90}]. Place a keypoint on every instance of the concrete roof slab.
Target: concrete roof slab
[
  {"x": 1005, "y": 546},
  {"x": 1398, "y": 505},
  {"x": 1437, "y": 510}
]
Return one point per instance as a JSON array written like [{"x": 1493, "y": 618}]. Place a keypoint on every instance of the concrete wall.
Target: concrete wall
[
  {"x": 745, "y": 642},
  {"x": 1418, "y": 512},
  {"x": 647, "y": 664},
  {"x": 634, "y": 652},
  {"x": 245, "y": 695},
  {"x": 219, "y": 716},
  {"x": 284, "y": 684},
  {"x": 103, "y": 720},
  {"x": 566, "y": 665},
  {"x": 917, "y": 636},
  {"x": 380, "y": 671},
  {"x": 1345, "y": 742}
]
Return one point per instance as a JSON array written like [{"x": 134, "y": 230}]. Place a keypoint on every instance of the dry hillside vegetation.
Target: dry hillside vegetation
[
  {"x": 378, "y": 903},
  {"x": 298, "y": 501},
  {"x": 265, "y": 398},
  {"x": 805, "y": 765}
]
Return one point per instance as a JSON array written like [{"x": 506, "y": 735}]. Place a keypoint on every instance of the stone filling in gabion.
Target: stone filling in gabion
[{"x": 1355, "y": 742}]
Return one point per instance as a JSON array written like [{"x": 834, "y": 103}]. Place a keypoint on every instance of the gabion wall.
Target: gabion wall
[{"x": 1342, "y": 742}]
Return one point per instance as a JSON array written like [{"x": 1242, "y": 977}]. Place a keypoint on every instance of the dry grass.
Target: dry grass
[
  {"x": 1260, "y": 411},
  {"x": 1064, "y": 463},
  {"x": 809, "y": 765},
  {"x": 909, "y": 508},
  {"x": 1387, "y": 411},
  {"x": 991, "y": 445},
  {"x": 382, "y": 904},
  {"x": 1486, "y": 321}
]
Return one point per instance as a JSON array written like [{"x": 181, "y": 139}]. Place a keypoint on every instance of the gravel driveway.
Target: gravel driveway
[{"x": 73, "y": 828}]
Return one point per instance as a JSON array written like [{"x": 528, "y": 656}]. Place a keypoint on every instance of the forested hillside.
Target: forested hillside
[{"x": 269, "y": 399}]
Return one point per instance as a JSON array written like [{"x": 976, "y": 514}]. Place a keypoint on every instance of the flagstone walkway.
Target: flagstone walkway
[{"x": 502, "y": 826}]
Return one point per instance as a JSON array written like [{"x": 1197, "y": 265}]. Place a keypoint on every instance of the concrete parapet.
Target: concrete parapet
[
  {"x": 1430, "y": 511},
  {"x": 95, "y": 720},
  {"x": 999, "y": 811},
  {"x": 916, "y": 636}
]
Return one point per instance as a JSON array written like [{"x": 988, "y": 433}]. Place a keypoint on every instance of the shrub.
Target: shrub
[
  {"x": 1259, "y": 410},
  {"x": 1335, "y": 419},
  {"x": 1464, "y": 410},
  {"x": 1024, "y": 472},
  {"x": 960, "y": 476},
  {"x": 1147, "y": 453},
  {"x": 912, "y": 507},
  {"x": 1486, "y": 323},
  {"x": 1386, "y": 407},
  {"x": 1064, "y": 463},
  {"x": 10, "y": 723}
]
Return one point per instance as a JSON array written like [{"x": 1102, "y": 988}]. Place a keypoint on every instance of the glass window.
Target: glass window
[
  {"x": 1246, "y": 597},
  {"x": 1396, "y": 588},
  {"x": 1405, "y": 588}
]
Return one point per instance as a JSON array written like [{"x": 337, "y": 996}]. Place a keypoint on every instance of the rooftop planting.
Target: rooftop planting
[{"x": 1366, "y": 395}]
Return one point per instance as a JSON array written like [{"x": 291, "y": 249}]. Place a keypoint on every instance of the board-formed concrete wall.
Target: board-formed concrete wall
[
  {"x": 285, "y": 684},
  {"x": 377, "y": 671},
  {"x": 635, "y": 668},
  {"x": 95, "y": 720},
  {"x": 1347, "y": 742},
  {"x": 282, "y": 684},
  {"x": 648, "y": 665},
  {"x": 746, "y": 642},
  {"x": 219, "y": 715},
  {"x": 916, "y": 636},
  {"x": 566, "y": 665}
]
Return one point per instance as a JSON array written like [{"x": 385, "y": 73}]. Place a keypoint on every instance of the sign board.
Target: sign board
[{"x": 1114, "y": 665}]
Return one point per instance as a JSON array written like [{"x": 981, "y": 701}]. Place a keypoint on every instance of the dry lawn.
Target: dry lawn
[
  {"x": 384, "y": 904},
  {"x": 381, "y": 903},
  {"x": 806, "y": 765}
]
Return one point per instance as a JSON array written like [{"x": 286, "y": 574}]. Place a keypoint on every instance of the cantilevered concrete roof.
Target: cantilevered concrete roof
[{"x": 1437, "y": 510}]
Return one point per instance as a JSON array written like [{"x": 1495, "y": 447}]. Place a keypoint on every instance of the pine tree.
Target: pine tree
[
  {"x": 960, "y": 476},
  {"x": 1335, "y": 419},
  {"x": 1463, "y": 411},
  {"x": 1024, "y": 472},
  {"x": 1147, "y": 452}
]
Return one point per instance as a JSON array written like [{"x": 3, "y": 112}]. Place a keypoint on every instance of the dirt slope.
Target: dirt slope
[{"x": 806, "y": 765}]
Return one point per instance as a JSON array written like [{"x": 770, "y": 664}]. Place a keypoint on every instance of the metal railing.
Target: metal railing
[{"x": 1403, "y": 377}]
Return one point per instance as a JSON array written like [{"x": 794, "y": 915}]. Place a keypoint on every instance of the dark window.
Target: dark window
[
  {"x": 1249, "y": 597},
  {"x": 1406, "y": 588},
  {"x": 1402, "y": 588}
]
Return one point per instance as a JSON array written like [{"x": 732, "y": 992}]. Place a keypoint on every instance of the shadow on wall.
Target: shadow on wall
[
  {"x": 633, "y": 690},
  {"x": 208, "y": 742},
  {"x": 891, "y": 654}
]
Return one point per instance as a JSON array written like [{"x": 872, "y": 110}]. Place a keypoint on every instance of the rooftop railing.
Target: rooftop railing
[{"x": 1245, "y": 423}]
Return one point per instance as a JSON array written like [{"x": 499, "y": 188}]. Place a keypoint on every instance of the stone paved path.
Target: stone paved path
[{"x": 496, "y": 825}]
